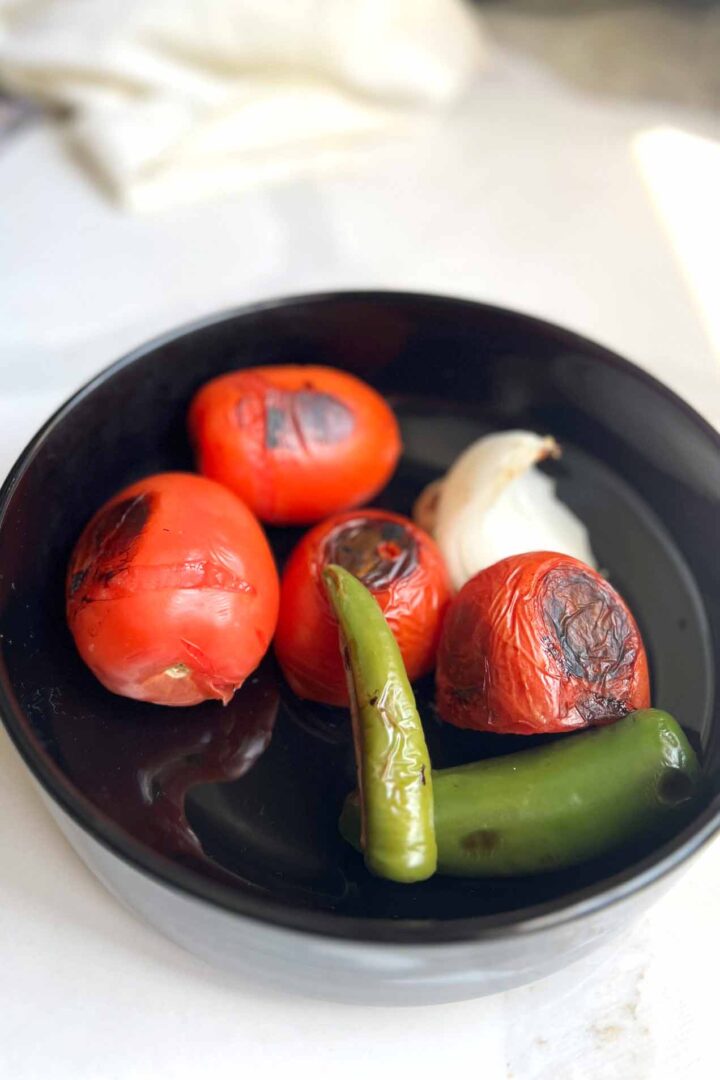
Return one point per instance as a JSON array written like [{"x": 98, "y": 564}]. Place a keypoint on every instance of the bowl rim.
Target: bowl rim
[{"x": 169, "y": 874}]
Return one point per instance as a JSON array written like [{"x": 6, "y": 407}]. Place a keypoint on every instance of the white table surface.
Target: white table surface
[{"x": 531, "y": 196}]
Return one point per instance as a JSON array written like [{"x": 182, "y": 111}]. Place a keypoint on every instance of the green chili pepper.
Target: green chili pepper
[
  {"x": 561, "y": 804},
  {"x": 395, "y": 809}
]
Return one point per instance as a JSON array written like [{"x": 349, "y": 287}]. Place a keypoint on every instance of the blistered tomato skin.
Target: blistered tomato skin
[
  {"x": 172, "y": 591},
  {"x": 295, "y": 443},
  {"x": 539, "y": 643},
  {"x": 396, "y": 561}
]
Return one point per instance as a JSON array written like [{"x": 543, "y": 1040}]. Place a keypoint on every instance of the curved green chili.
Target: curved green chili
[
  {"x": 561, "y": 804},
  {"x": 395, "y": 810}
]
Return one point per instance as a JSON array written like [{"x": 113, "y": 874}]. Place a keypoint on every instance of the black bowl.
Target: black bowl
[{"x": 220, "y": 825}]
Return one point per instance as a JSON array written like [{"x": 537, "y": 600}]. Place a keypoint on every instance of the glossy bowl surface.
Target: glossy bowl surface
[{"x": 236, "y": 808}]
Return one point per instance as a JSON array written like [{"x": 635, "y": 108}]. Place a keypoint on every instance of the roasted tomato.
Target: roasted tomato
[
  {"x": 398, "y": 563},
  {"x": 172, "y": 591},
  {"x": 296, "y": 443},
  {"x": 539, "y": 643}
]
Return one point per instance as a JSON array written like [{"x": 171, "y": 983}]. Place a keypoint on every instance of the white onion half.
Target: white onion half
[{"x": 494, "y": 503}]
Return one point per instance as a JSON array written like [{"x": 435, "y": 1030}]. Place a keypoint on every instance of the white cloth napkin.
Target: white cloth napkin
[{"x": 178, "y": 100}]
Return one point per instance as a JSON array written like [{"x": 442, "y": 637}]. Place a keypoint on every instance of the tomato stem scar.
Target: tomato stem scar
[{"x": 177, "y": 671}]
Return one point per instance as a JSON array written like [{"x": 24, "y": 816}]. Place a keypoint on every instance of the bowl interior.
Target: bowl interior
[{"x": 241, "y": 804}]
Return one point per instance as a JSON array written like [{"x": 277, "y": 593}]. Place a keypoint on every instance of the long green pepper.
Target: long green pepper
[
  {"x": 397, "y": 831},
  {"x": 559, "y": 805}
]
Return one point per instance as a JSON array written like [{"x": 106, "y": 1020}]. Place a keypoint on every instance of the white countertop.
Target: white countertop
[{"x": 531, "y": 196}]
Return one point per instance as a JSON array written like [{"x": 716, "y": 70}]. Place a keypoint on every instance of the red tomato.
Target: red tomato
[
  {"x": 296, "y": 443},
  {"x": 398, "y": 563},
  {"x": 539, "y": 643},
  {"x": 172, "y": 591}
]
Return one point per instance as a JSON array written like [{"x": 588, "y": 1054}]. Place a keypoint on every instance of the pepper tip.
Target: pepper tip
[{"x": 331, "y": 576}]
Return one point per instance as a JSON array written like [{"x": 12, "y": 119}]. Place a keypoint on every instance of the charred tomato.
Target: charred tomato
[
  {"x": 539, "y": 643},
  {"x": 296, "y": 443},
  {"x": 396, "y": 561},
  {"x": 172, "y": 591}
]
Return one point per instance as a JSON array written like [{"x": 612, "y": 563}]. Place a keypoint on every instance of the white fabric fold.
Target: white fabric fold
[{"x": 177, "y": 100}]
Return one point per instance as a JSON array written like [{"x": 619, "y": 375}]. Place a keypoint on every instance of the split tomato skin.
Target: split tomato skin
[
  {"x": 296, "y": 443},
  {"x": 172, "y": 591},
  {"x": 400, "y": 565},
  {"x": 539, "y": 643}
]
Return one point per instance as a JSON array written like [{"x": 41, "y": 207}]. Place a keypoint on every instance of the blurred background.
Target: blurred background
[{"x": 162, "y": 159}]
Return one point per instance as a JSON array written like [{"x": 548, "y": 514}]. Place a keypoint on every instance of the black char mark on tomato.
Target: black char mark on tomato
[
  {"x": 590, "y": 636},
  {"x": 376, "y": 552},
  {"x": 112, "y": 541},
  {"x": 300, "y": 419}
]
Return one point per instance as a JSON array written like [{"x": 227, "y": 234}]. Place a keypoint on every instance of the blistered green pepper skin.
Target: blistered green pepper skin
[
  {"x": 395, "y": 812},
  {"x": 561, "y": 804}
]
